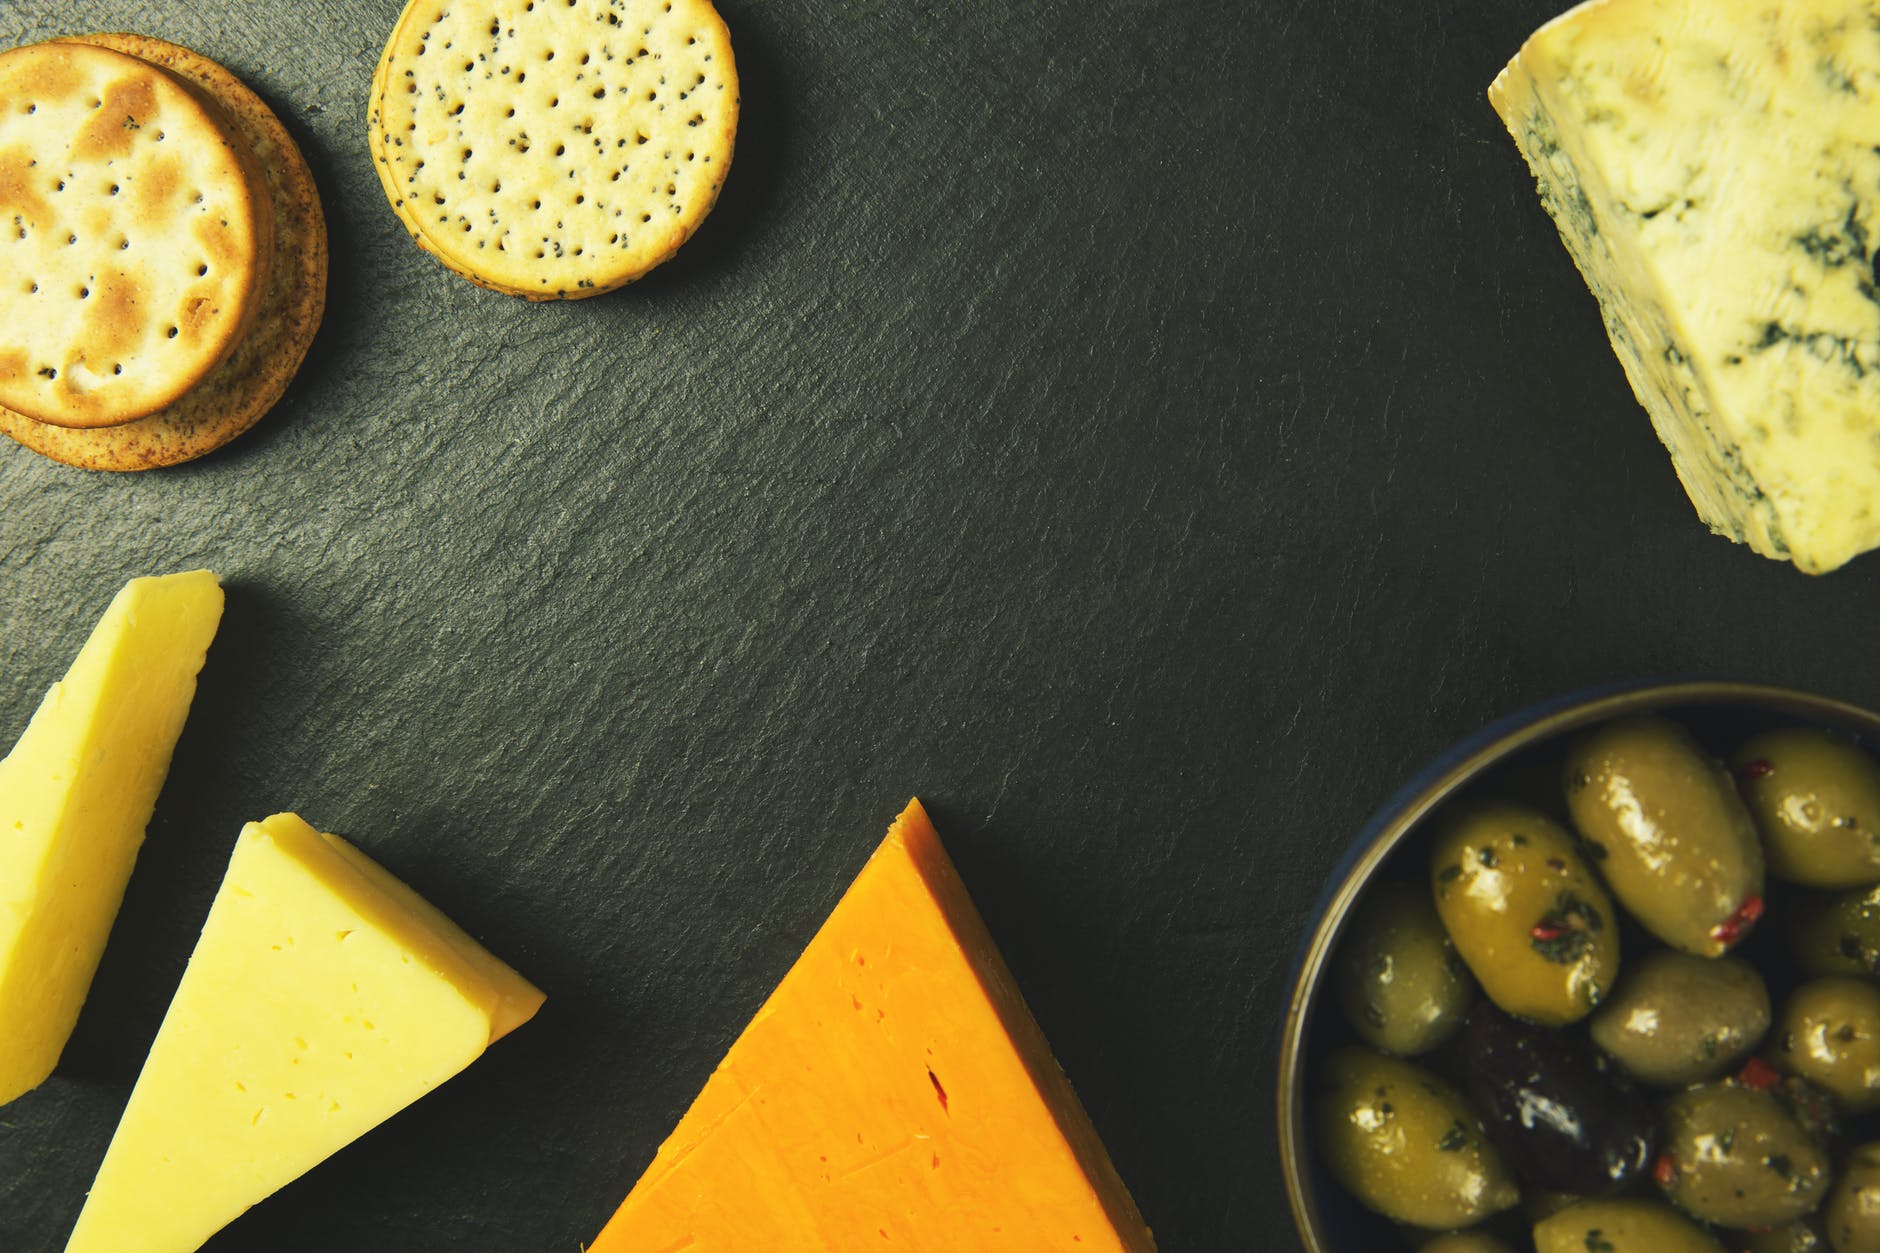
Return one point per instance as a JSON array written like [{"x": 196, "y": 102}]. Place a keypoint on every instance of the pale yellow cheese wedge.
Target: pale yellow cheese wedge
[
  {"x": 323, "y": 997},
  {"x": 76, "y": 793}
]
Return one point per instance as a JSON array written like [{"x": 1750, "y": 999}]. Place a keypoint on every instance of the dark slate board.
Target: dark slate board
[{"x": 1148, "y": 431}]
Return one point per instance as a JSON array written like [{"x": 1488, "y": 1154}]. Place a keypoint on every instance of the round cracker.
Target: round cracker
[
  {"x": 135, "y": 236},
  {"x": 237, "y": 393},
  {"x": 555, "y": 149}
]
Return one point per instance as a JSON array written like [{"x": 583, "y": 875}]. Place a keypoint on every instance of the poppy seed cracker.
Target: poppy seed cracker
[{"x": 554, "y": 149}]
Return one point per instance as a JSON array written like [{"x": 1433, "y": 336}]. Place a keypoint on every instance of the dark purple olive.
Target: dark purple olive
[{"x": 1556, "y": 1107}]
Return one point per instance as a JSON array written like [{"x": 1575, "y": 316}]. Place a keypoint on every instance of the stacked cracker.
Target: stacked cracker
[
  {"x": 162, "y": 253},
  {"x": 554, "y": 149}
]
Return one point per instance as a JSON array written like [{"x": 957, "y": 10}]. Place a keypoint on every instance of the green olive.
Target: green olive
[
  {"x": 1816, "y": 799},
  {"x": 1852, "y": 1214},
  {"x": 1465, "y": 1242},
  {"x": 1829, "y": 1034},
  {"x": 1739, "y": 1158},
  {"x": 1406, "y": 1144},
  {"x": 1526, "y": 913},
  {"x": 1399, "y": 980},
  {"x": 1668, "y": 831},
  {"x": 1675, "y": 1019},
  {"x": 1837, "y": 935},
  {"x": 1804, "y": 1235},
  {"x": 1622, "y": 1226}
]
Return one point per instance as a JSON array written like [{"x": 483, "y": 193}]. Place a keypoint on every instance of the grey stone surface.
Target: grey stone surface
[{"x": 1148, "y": 431}]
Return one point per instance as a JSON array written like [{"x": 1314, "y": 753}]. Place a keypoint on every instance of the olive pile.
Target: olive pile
[{"x": 1657, "y": 1105}]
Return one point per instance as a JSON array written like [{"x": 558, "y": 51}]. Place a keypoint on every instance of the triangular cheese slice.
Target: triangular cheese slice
[
  {"x": 893, "y": 1093},
  {"x": 76, "y": 793},
  {"x": 323, "y": 997}
]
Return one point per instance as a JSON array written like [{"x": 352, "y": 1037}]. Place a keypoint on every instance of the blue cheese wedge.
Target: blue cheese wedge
[{"x": 1714, "y": 168}]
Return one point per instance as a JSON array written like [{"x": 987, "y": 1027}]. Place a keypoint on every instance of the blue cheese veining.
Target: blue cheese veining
[{"x": 1714, "y": 168}]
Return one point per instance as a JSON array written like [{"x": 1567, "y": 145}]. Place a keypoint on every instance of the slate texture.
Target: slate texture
[{"x": 1146, "y": 430}]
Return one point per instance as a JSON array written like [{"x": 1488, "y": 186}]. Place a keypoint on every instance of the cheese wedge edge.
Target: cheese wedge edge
[
  {"x": 323, "y": 997},
  {"x": 76, "y": 794},
  {"x": 893, "y": 1092},
  {"x": 1713, "y": 167}
]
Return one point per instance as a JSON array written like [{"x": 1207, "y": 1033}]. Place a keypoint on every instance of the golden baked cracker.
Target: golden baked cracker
[
  {"x": 133, "y": 236},
  {"x": 376, "y": 148},
  {"x": 556, "y": 149},
  {"x": 237, "y": 393}
]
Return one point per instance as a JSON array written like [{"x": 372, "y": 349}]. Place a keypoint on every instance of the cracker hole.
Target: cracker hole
[
  {"x": 202, "y": 269},
  {"x": 551, "y": 51},
  {"x": 579, "y": 198},
  {"x": 600, "y": 93},
  {"x": 115, "y": 189},
  {"x": 586, "y": 57},
  {"x": 171, "y": 333},
  {"x": 124, "y": 243},
  {"x": 61, "y": 186},
  {"x": 48, "y": 372},
  {"x": 70, "y": 240},
  {"x": 520, "y": 75},
  {"x": 555, "y": 103},
  {"x": 32, "y": 289},
  {"x": 117, "y": 367},
  {"x": 560, "y": 148},
  {"x": 646, "y": 217},
  {"x": 32, "y": 108},
  {"x": 84, "y": 293}
]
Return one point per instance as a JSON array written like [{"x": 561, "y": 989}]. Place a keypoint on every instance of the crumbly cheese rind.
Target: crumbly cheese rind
[
  {"x": 132, "y": 236},
  {"x": 1714, "y": 169},
  {"x": 555, "y": 150},
  {"x": 248, "y": 383}
]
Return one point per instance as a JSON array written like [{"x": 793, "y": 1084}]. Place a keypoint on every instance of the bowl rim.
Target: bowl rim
[{"x": 1459, "y": 765}]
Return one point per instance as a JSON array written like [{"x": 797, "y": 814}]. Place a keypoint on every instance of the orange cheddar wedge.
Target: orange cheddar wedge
[{"x": 893, "y": 1093}]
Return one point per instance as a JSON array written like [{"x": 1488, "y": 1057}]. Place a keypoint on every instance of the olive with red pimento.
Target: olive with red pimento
[
  {"x": 1815, "y": 797},
  {"x": 1525, "y": 911},
  {"x": 1736, "y": 1153},
  {"x": 1676, "y": 1019},
  {"x": 1663, "y": 822}
]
